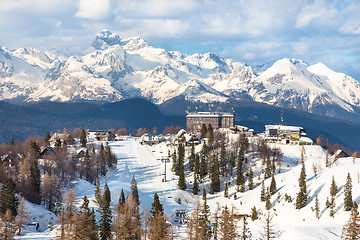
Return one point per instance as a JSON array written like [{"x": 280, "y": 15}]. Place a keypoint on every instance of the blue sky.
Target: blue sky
[{"x": 254, "y": 31}]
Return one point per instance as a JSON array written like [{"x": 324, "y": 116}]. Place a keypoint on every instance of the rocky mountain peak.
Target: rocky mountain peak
[{"x": 105, "y": 38}]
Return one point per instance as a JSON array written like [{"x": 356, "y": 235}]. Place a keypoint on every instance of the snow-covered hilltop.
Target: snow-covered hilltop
[
  {"x": 119, "y": 68},
  {"x": 143, "y": 161}
]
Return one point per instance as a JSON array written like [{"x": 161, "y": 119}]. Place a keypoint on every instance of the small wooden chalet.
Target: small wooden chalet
[
  {"x": 150, "y": 139},
  {"x": 11, "y": 159},
  {"x": 191, "y": 139},
  {"x": 104, "y": 136},
  {"x": 187, "y": 138},
  {"x": 340, "y": 154},
  {"x": 62, "y": 136},
  {"x": 48, "y": 151},
  {"x": 81, "y": 153}
]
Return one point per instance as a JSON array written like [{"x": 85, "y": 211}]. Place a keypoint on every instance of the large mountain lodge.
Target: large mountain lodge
[{"x": 195, "y": 120}]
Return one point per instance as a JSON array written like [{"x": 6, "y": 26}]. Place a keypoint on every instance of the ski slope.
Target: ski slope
[{"x": 144, "y": 163}]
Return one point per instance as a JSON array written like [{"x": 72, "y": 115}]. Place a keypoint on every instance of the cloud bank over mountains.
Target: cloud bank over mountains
[{"x": 251, "y": 31}]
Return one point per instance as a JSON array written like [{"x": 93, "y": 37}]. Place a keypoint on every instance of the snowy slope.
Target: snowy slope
[{"x": 142, "y": 161}]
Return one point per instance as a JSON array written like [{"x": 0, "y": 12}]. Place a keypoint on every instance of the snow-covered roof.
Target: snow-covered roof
[
  {"x": 283, "y": 127},
  {"x": 188, "y": 137},
  {"x": 81, "y": 150},
  {"x": 181, "y": 132},
  {"x": 210, "y": 114},
  {"x": 306, "y": 139}
]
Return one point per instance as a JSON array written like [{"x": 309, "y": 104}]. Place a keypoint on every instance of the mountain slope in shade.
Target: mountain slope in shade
[{"x": 121, "y": 68}]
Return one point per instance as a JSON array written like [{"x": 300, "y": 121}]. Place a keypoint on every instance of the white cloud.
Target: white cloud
[
  {"x": 319, "y": 13},
  {"x": 93, "y": 9},
  {"x": 44, "y": 7},
  {"x": 154, "y": 8},
  {"x": 148, "y": 27},
  {"x": 352, "y": 23},
  {"x": 253, "y": 31}
]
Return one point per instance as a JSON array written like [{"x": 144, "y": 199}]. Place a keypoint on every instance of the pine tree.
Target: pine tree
[
  {"x": 158, "y": 228},
  {"x": 254, "y": 214},
  {"x": 197, "y": 165},
  {"x": 239, "y": 170},
  {"x": 34, "y": 149},
  {"x": 181, "y": 158},
  {"x": 156, "y": 206},
  {"x": 348, "y": 203},
  {"x": 21, "y": 218},
  {"x": 246, "y": 234},
  {"x": 35, "y": 183},
  {"x": 84, "y": 226},
  {"x": 332, "y": 207},
  {"x": 333, "y": 188},
  {"x": 102, "y": 160},
  {"x": 268, "y": 167},
  {"x": 223, "y": 165},
  {"x": 122, "y": 198},
  {"x": 232, "y": 162},
  {"x": 88, "y": 167},
  {"x": 204, "y": 194},
  {"x": 195, "y": 189},
  {"x": 134, "y": 191},
  {"x": 333, "y": 191},
  {"x": 203, "y": 159},
  {"x": 47, "y": 138},
  {"x": 251, "y": 179},
  {"x": 272, "y": 185},
  {"x": 301, "y": 198},
  {"x": 174, "y": 163},
  {"x": 181, "y": 183},
  {"x": 205, "y": 229},
  {"x": 262, "y": 192},
  {"x": 317, "y": 207},
  {"x": 83, "y": 139},
  {"x": 203, "y": 131},
  {"x": 270, "y": 228},
  {"x": 93, "y": 226},
  {"x": 226, "y": 194},
  {"x": 8, "y": 199},
  {"x": 192, "y": 157},
  {"x": 214, "y": 175},
  {"x": 110, "y": 157},
  {"x": 227, "y": 224},
  {"x": 98, "y": 191},
  {"x": 105, "y": 211},
  {"x": 268, "y": 199},
  {"x": 351, "y": 230}
]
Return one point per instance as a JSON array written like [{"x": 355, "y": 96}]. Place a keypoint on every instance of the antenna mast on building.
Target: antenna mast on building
[{"x": 281, "y": 118}]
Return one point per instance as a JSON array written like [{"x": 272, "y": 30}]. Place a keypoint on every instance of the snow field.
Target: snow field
[{"x": 144, "y": 163}]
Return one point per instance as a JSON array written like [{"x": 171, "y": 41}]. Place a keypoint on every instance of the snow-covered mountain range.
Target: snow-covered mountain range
[{"x": 116, "y": 68}]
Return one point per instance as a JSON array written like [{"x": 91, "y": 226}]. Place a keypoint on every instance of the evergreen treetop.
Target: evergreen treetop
[
  {"x": 348, "y": 203},
  {"x": 8, "y": 200},
  {"x": 134, "y": 191},
  {"x": 156, "y": 206}
]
